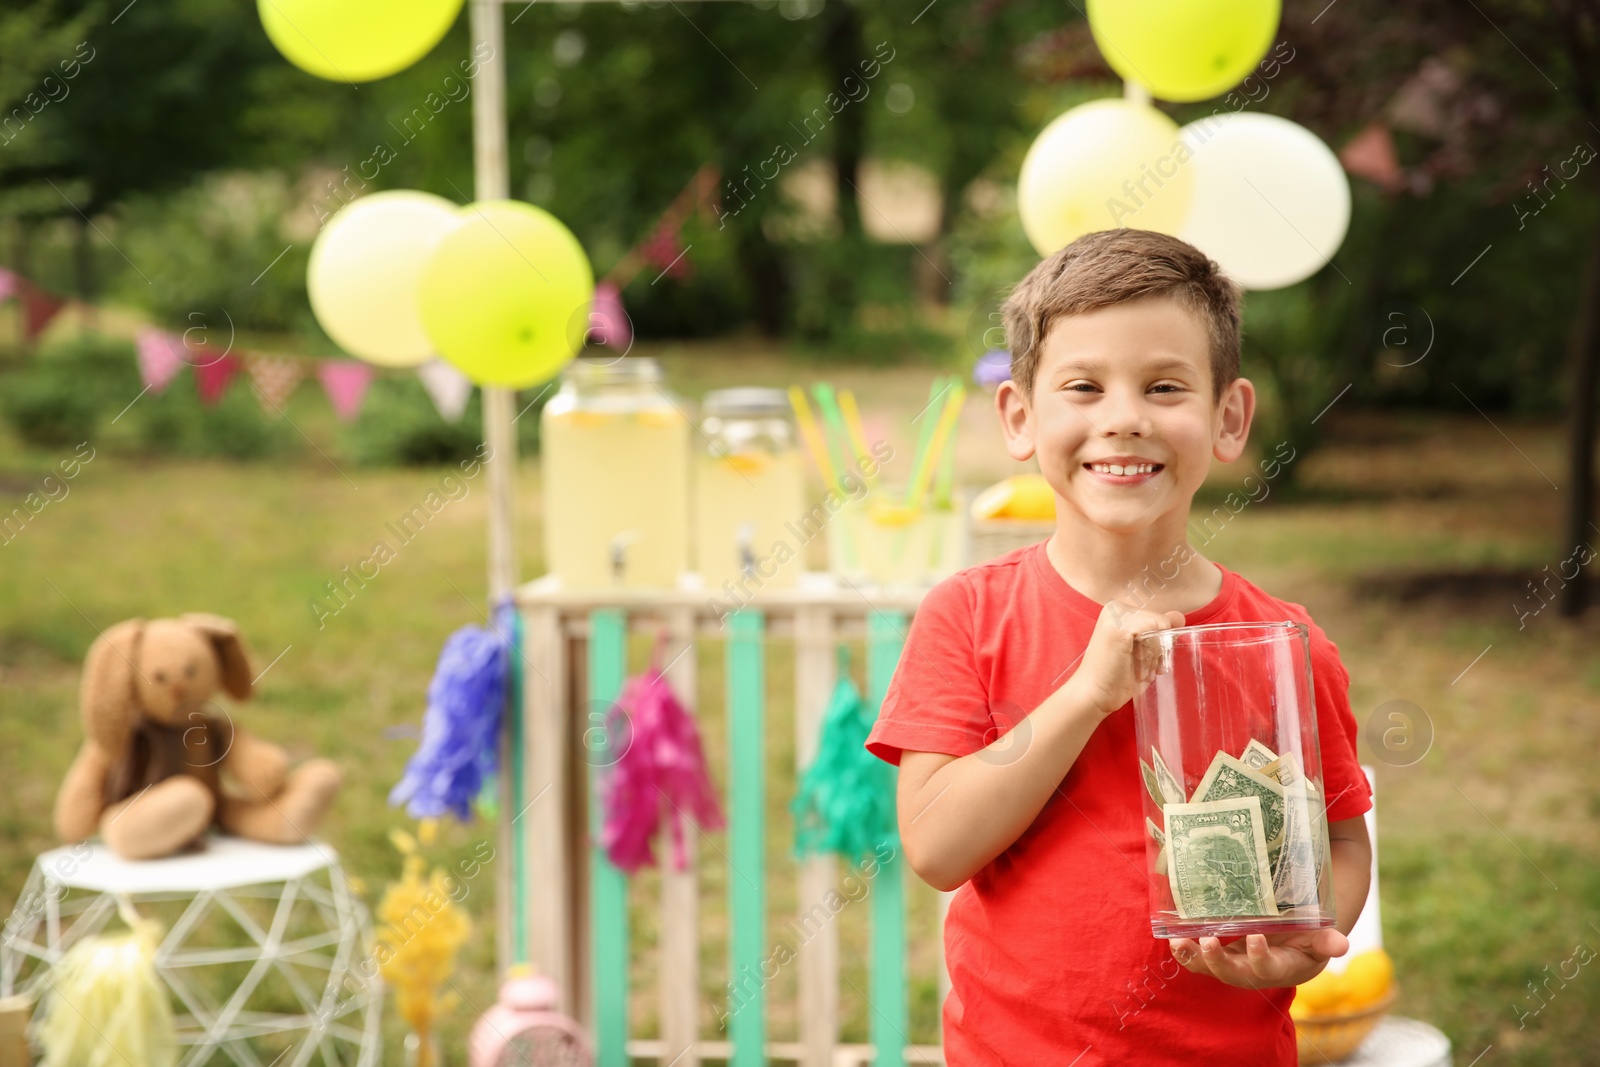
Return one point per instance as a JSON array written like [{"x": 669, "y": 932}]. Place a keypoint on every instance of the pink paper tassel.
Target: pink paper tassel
[{"x": 661, "y": 772}]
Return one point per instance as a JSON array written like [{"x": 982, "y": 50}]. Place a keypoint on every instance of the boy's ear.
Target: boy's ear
[
  {"x": 1236, "y": 409},
  {"x": 1016, "y": 420}
]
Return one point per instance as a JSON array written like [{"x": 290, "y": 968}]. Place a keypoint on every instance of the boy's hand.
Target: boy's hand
[
  {"x": 1259, "y": 961},
  {"x": 1116, "y": 665}
]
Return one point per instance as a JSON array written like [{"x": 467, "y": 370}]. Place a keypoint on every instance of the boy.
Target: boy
[{"x": 1009, "y": 714}]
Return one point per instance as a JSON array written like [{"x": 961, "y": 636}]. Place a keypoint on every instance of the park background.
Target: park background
[{"x": 1436, "y": 381}]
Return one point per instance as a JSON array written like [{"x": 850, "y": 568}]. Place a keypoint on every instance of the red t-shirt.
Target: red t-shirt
[{"x": 1049, "y": 947}]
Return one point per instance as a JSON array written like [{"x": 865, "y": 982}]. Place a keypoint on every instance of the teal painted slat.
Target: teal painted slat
[
  {"x": 746, "y": 837},
  {"x": 885, "y": 639},
  {"x": 608, "y": 886}
]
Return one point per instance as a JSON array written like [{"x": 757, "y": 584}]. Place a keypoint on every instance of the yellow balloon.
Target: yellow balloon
[
  {"x": 505, "y": 296},
  {"x": 1102, "y": 165},
  {"x": 1184, "y": 49},
  {"x": 364, "y": 269},
  {"x": 356, "y": 40}
]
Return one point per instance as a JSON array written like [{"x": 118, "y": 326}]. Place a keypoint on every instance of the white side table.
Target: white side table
[
  {"x": 266, "y": 951},
  {"x": 1397, "y": 1042}
]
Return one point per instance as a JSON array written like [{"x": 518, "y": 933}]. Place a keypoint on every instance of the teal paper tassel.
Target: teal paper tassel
[{"x": 845, "y": 803}]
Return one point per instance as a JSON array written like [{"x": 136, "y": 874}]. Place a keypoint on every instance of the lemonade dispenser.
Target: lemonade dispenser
[
  {"x": 615, "y": 462},
  {"x": 748, "y": 488}
]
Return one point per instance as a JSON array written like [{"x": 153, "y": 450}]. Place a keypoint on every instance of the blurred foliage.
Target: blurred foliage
[
  {"x": 174, "y": 422},
  {"x": 399, "y": 426},
  {"x": 64, "y": 394},
  {"x": 213, "y": 257}
]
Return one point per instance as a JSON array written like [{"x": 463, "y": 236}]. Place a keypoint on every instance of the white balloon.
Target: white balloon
[
  {"x": 364, "y": 271},
  {"x": 1271, "y": 200}
]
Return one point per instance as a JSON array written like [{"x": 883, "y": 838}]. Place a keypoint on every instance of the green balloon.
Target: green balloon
[
  {"x": 356, "y": 40},
  {"x": 505, "y": 296},
  {"x": 1184, "y": 49}
]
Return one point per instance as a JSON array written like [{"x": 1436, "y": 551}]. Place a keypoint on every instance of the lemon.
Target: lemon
[
  {"x": 1022, "y": 496},
  {"x": 1368, "y": 977},
  {"x": 1321, "y": 995},
  {"x": 889, "y": 513}
]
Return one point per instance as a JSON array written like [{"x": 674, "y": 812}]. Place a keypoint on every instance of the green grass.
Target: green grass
[{"x": 1487, "y": 846}]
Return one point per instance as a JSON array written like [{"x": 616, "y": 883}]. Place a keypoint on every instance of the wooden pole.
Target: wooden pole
[{"x": 491, "y": 181}]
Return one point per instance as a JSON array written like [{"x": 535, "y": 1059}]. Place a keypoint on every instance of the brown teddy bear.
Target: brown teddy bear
[{"x": 149, "y": 774}]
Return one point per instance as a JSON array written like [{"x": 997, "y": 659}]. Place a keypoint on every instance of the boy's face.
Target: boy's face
[{"x": 1128, "y": 385}]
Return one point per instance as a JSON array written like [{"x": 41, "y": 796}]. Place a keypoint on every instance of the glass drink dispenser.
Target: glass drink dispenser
[
  {"x": 615, "y": 461},
  {"x": 748, "y": 489}
]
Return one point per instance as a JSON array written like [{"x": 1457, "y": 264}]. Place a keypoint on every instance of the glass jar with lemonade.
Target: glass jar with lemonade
[
  {"x": 614, "y": 454},
  {"x": 748, "y": 487}
]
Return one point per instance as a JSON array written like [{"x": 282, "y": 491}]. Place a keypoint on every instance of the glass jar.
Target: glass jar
[
  {"x": 1236, "y": 829},
  {"x": 748, "y": 494},
  {"x": 614, "y": 453}
]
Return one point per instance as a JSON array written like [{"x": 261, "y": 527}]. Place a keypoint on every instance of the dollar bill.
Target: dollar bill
[
  {"x": 1285, "y": 770},
  {"x": 1166, "y": 781},
  {"x": 1217, "y": 859},
  {"x": 1257, "y": 755},
  {"x": 1161, "y": 840},
  {"x": 1228, "y": 778},
  {"x": 1151, "y": 785},
  {"x": 1297, "y": 864}
]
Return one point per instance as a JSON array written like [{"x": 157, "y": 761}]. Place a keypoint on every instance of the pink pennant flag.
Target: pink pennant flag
[
  {"x": 211, "y": 379},
  {"x": 8, "y": 284},
  {"x": 345, "y": 381},
  {"x": 449, "y": 388},
  {"x": 159, "y": 361},
  {"x": 608, "y": 322},
  {"x": 274, "y": 379}
]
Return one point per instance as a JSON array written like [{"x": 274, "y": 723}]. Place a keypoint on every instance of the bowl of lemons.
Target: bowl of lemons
[
  {"x": 1010, "y": 514},
  {"x": 1334, "y": 1013}
]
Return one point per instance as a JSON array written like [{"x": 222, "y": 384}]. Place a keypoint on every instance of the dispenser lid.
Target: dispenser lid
[{"x": 747, "y": 401}]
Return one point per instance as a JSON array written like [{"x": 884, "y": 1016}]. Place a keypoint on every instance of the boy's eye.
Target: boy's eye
[
  {"x": 1081, "y": 387},
  {"x": 1166, "y": 387}
]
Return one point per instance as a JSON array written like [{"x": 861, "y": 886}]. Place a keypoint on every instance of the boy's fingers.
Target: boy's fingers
[
  {"x": 1328, "y": 943},
  {"x": 1259, "y": 956},
  {"x": 1187, "y": 952}
]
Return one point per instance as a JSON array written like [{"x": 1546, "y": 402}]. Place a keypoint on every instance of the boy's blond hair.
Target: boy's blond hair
[{"x": 1114, "y": 267}]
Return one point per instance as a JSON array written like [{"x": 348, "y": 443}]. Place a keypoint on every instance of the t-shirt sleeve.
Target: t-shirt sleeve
[
  {"x": 937, "y": 700},
  {"x": 1345, "y": 784}
]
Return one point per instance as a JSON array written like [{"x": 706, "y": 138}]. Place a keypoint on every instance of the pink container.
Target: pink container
[
  {"x": 1236, "y": 825},
  {"x": 524, "y": 1029}
]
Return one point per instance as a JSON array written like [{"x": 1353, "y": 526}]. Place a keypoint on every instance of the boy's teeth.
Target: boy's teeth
[{"x": 1117, "y": 468}]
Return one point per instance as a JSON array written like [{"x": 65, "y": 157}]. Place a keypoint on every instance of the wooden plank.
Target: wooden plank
[
  {"x": 885, "y": 638},
  {"x": 746, "y": 837},
  {"x": 679, "y": 971},
  {"x": 608, "y": 928},
  {"x": 944, "y": 966},
  {"x": 544, "y": 822},
  {"x": 815, "y": 672}
]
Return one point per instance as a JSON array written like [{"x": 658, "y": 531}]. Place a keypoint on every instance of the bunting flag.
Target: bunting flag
[
  {"x": 1370, "y": 154},
  {"x": 159, "y": 361},
  {"x": 211, "y": 379},
  {"x": 8, "y": 284},
  {"x": 38, "y": 306},
  {"x": 447, "y": 387},
  {"x": 275, "y": 379},
  {"x": 345, "y": 381},
  {"x": 664, "y": 249},
  {"x": 608, "y": 322}
]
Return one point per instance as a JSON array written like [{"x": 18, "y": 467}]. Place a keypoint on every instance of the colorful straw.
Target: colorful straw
[
  {"x": 813, "y": 436},
  {"x": 925, "y": 436},
  {"x": 947, "y": 420},
  {"x": 837, "y": 438},
  {"x": 858, "y": 437}
]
